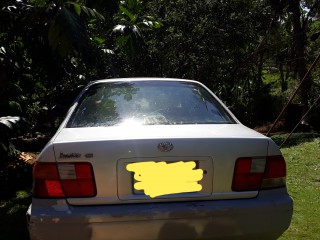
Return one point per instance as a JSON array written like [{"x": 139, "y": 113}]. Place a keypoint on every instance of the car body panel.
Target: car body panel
[
  {"x": 218, "y": 219},
  {"x": 119, "y": 211},
  {"x": 109, "y": 146},
  {"x": 157, "y": 131}
]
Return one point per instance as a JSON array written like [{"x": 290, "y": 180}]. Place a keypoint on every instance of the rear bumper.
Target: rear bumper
[{"x": 265, "y": 217}]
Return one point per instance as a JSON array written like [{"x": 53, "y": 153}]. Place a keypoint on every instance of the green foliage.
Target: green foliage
[
  {"x": 9, "y": 127},
  {"x": 64, "y": 30},
  {"x": 91, "y": 13},
  {"x": 211, "y": 41},
  {"x": 46, "y": 57},
  {"x": 67, "y": 30},
  {"x": 128, "y": 33},
  {"x": 49, "y": 49}
]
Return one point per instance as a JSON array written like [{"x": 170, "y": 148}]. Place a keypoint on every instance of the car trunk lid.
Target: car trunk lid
[{"x": 213, "y": 149}]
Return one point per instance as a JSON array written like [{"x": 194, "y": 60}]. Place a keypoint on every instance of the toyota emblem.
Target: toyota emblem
[{"x": 165, "y": 146}]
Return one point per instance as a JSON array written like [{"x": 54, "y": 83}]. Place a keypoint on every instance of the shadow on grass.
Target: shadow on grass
[
  {"x": 13, "y": 223},
  {"x": 15, "y": 198},
  {"x": 294, "y": 139}
]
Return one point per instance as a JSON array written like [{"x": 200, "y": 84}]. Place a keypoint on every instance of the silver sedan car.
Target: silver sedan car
[{"x": 146, "y": 158}]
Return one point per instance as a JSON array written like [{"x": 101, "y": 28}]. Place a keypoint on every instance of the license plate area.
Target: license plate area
[
  {"x": 141, "y": 192},
  {"x": 126, "y": 180}
]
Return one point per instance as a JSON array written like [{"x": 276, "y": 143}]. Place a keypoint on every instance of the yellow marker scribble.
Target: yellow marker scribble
[{"x": 161, "y": 178}]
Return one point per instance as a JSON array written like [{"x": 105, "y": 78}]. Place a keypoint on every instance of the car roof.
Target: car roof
[{"x": 135, "y": 79}]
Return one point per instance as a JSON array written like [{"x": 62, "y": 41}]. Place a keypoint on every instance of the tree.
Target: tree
[
  {"x": 48, "y": 51},
  {"x": 218, "y": 43}
]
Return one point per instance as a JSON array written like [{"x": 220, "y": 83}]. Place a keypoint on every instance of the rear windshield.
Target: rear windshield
[{"x": 147, "y": 103}]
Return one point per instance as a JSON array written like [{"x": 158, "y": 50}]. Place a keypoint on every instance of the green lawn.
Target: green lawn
[{"x": 303, "y": 180}]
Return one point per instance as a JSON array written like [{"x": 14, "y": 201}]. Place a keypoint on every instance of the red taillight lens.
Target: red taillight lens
[
  {"x": 46, "y": 180},
  {"x": 259, "y": 173},
  {"x": 53, "y": 180},
  {"x": 248, "y": 174},
  {"x": 275, "y": 172}
]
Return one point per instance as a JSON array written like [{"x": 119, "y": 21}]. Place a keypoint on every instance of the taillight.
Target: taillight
[
  {"x": 52, "y": 180},
  {"x": 252, "y": 174},
  {"x": 275, "y": 172}
]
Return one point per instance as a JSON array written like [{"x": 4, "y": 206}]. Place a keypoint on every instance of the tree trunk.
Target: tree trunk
[
  {"x": 283, "y": 82},
  {"x": 299, "y": 38},
  {"x": 259, "y": 83}
]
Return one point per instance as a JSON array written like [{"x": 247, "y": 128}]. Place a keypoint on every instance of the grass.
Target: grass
[
  {"x": 15, "y": 198},
  {"x": 13, "y": 216},
  {"x": 303, "y": 169},
  {"x": 294, "y": 139},
  {"x": 303, "y": 181}
]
